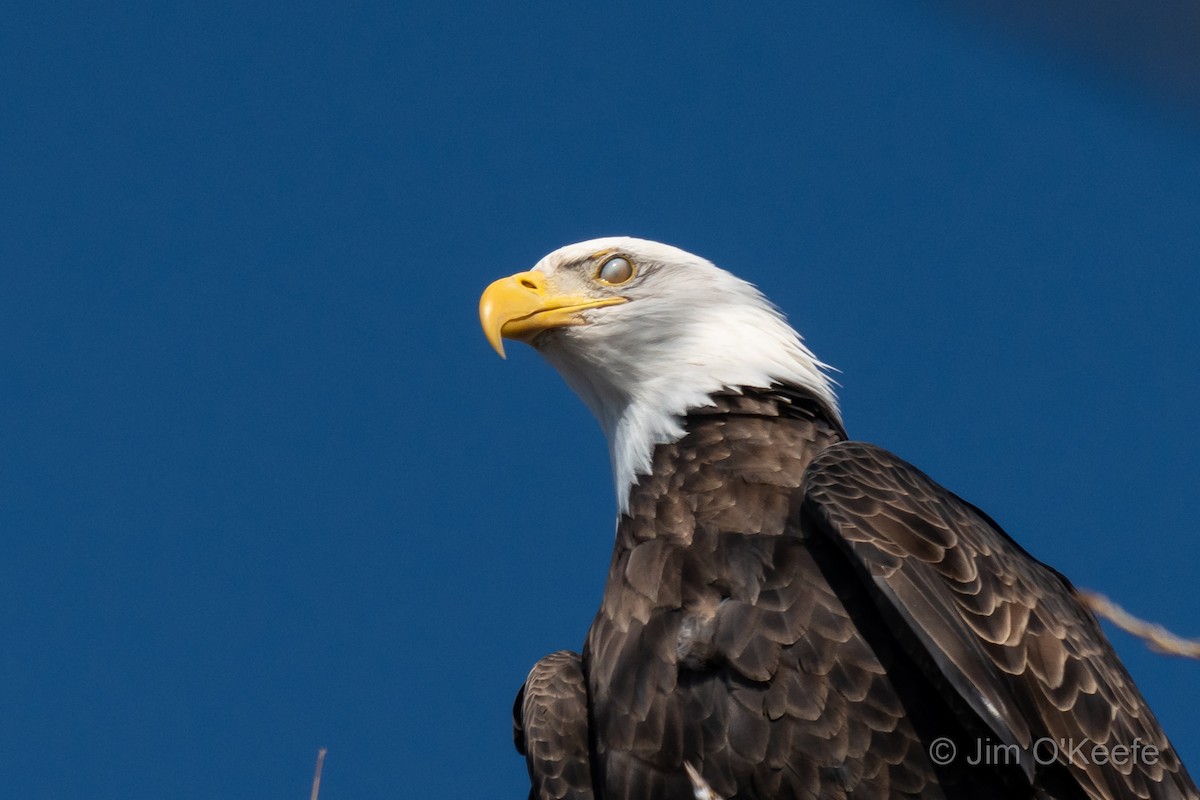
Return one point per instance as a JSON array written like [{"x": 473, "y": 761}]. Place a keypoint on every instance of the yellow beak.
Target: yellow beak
[{"x": 523, "y": 305}]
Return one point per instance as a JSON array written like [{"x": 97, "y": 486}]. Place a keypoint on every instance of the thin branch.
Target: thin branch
[
  {"x": 700, "y": 788},
  {"x": 317, "y": 775},
  {"x": 1156, "y": 637}
]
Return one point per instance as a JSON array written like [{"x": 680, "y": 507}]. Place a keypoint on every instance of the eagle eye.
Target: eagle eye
[{"x": 616, "y": 270}]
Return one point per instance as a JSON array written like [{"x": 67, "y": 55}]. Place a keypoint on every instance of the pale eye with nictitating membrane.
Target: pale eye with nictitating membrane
[{"x": 615, "y": 270}]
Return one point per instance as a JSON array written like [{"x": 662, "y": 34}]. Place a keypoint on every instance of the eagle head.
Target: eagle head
[{"x": 644, "y": 332}]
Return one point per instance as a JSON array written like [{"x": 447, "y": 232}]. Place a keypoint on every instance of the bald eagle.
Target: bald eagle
[{"x": 789, "y": 613}]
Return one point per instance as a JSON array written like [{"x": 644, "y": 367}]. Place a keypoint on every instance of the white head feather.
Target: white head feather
[{"x": 690, "y": 329}]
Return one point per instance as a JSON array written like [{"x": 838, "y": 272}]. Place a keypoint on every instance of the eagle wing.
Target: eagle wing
[
  {"x": 991, "y": 625},
  {"x": 550, "y": 728}
]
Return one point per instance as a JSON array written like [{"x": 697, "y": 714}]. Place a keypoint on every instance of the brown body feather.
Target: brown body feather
[{"x": 800, "y": 616}]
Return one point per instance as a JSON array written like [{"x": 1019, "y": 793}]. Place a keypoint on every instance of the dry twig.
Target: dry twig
[
  {"x": 1156, "y": 637},
  {"x": 317, "y": 775}
]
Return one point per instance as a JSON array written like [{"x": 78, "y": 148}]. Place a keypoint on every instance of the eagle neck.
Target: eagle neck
[
  {"x": 784, "y": 405},
  {"x": 642, "y": 403}
]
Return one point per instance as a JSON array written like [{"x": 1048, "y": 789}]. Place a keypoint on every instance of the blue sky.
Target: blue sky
[{"x": 265, "y": 488}]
